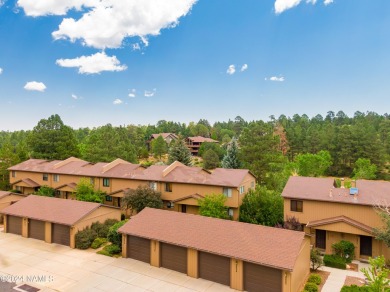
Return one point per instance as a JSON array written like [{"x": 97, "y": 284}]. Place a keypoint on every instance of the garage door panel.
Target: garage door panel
[
  {"x": 14, "y": 225},
  {"x": 138, "y": 248},
  {"x": 60, "y": 234},
  {"x": 260, "y": 277},
  {"x": 214, "y": 268},
  {"x": 174, "y": 257},
  {"x": 36, "y": 229}
]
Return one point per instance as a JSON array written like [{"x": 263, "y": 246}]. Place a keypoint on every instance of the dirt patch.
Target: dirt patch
[
  {"x": 324, "y": 275},
  {"x": 353, "y": 267},
  {"x": 353, "y": 281}
]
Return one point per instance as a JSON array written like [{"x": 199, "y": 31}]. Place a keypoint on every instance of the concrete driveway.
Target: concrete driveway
[{"x": 52, "y": 267}]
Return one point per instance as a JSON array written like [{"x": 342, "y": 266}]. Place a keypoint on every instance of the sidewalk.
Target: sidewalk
[{"x": 337, "y": 277}]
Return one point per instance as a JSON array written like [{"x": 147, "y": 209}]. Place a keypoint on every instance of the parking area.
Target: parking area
[{"x": 52, "y": 267}]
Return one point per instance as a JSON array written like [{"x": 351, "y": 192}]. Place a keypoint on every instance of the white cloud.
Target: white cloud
[
  {"x": 117, "y": 101},
  {"x": 231, "y": 70},
  {"x": 93, "y": 64},
  {"x": 35, "y": 86},
  {"x": 132, "y": 93},
  {"x": 2, "y": 2},
  {"x": 327, "y": 2},
  {"x": 136, "y": 47},
  {"x": 150, "y": 93},
  {"x": 275, "y": 78},
  {"x": 75, "y": 97},
  {"x": 282, "y": 5},
  {"x": 311, "y": 1},
  {"x": 1, "y": 71},
  {"x": 105, "y": 23},
  {"x": 244, "y": 67}
]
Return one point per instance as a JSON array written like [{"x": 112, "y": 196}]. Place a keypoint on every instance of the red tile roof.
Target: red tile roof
[
  {"x": 273, "y": 247},
  {"x": 180, "y": 174},
  {"x": 5, "y": 194},
  {"x": 370, "y": 192},
  {"x": 67, "y": 212},
  {"x": 194, "y": 196},
  {"x": 28, "y": 182},
  {"x": 343, "y": 219}
]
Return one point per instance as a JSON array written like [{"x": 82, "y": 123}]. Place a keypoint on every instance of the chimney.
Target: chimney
[{"x": 342, "y": 182}]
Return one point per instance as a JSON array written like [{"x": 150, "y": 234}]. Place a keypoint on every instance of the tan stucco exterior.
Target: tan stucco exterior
[
  {"x": 336, "y": 231},
  {"x": 179, "y": 190},
  {"x": 8, "y": 200},
  {"x": 192, "y": 263},
  {"x": 155, "y": 253},
  {"x": 237, "y": 274}
]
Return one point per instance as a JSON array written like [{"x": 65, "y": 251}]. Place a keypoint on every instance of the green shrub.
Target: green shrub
[
  {"x": 98, "y": 242},
  {"x": 354, "y": 288},
  {"x": 84, "y": 238},
  {"x": 113, "y": 235},
  {"x": 104, "y": 252},
  {"x": 112, "y": 249},
  {"x": 334, "y": 261},
  {"x": 110, "y": 222},
  {"x": 344, "y": 249},
  {"x": 315, "y": 278},
  {"x": 100, "y": 229},
  {"x": 311, "y": 287},
  {"x": 315, "y": 259}
]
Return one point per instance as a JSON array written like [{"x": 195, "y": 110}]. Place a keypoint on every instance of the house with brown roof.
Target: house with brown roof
[
  {"x": 8, "y": 198},
  {"x": 168, "y": 138},
  {"x": 54, "y": 220},
  {"x": 180, "y": 186},
  {"x": 240, "y": 255},
  {"x": 194, "y": 143},
  {"x": 331, "y": 213}
]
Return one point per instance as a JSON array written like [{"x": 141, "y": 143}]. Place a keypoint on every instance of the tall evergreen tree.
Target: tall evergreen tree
[
  {"x": 51, "y": 139},
  {"x": 230, "y": 160},
  {"x": 159, "y": 147},
  {"x": 179, "y": 152},
  {"x": 210, "y": 159}
]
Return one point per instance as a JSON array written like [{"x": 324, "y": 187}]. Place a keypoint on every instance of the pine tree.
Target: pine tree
[
  {"x": 210, "y": 159},
  {"x": 159, "y": 147},
  {"x": 230, "y": 160},
  {"x": 179, "y": 152}
]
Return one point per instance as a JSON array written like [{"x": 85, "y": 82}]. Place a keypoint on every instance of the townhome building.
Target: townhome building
[
  {"x": 330, "y": 213},
  {"x": 180, "y": 186},
  {"x": 194, "y": 143}
]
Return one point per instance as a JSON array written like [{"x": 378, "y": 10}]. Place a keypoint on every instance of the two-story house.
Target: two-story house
[
  {"x": 168, "y": 138},
  {"x": 180, "y": 186},
  {"x": 194, "y": 143},
  {"x": 331, "y": 213}
]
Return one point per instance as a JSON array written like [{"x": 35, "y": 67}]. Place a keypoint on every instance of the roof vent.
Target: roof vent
[{"x": 353, "y": 191}]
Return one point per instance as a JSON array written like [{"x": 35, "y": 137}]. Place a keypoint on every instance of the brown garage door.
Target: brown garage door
[
  {"x": 36, "y": 229},
  {"x": 262, "y": 278},
  {"x": 174, "y": 257},
  {"x": 138, "y": 248},
  {"x": 214, "y": 268},
  {"x": 14, "y": 224},
  {"x": 60, "y": 234}
]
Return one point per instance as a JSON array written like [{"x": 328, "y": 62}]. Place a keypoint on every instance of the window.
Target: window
[
  {"x": 296, "y": 206},
  {"x": 92, "y": 181},
  {"x": 18, "y": 188},
  {"x": 106, "y": 182},
  {"x": 153, "y": 185},
  {"x": 227, "y": 192},
  {"x": 242, "y": 189},
  {"x": 13, "y": 173},
  {"x": 45, "y": 177},
  {"x": 168, "y": 187},
  {"x": 108, "y": 199},
  {"x": 230, "y": 212},
  {"x": 56, "y": 177},
  {"x": 252, "y": 185}
]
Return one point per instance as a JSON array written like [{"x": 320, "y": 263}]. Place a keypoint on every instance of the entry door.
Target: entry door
[
  {"x": 365, "y": 245},
  {"x": 320, "y": 239},
  {"x": 184, "y": 208}
]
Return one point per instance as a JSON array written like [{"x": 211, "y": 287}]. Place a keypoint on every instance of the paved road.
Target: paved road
[{"x": 52, "y": 267}]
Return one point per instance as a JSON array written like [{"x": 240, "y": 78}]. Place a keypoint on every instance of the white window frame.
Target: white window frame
[
  {"x": 242, "y": 190},
  {"x": 230, "y": 212},
  {"x": 56, "y": 177},
  {"x": 45, "y": 176},
  {"x": 153, "y": 185},
  {"x": 13, "y": 173},
  {"x": 227, "y": 192}
]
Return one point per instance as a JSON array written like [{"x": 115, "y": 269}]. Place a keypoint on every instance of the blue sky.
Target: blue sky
[{"x": 139, "y": 61}]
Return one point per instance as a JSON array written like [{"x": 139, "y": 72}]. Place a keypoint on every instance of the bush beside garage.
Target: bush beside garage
[
  {"x": 54, "y": 220},
  {"x": 240, "y": 255}
]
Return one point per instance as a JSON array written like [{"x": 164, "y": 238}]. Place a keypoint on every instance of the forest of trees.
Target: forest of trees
[{"x": 272, "y": 150}]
